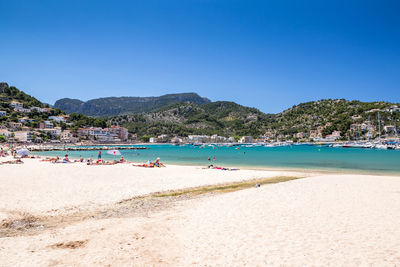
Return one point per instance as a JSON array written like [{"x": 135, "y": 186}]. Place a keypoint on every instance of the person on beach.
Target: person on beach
[
  {"x": 150, "y": 164},
  {"x": 55, "y": 160},
  {"x": 16, "y": 161},
  {"x": 99, "y": 155},
  {"x": 122, "y": 160},
  {"x": 157, "y": 163},
  {"x": 66, "y": 159}
]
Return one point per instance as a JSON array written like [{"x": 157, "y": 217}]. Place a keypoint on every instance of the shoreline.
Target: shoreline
[{"x": 267, "y": 168}]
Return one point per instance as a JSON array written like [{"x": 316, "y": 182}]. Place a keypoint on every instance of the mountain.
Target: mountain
[
  {"x": 351, "y": 118},
  {"x": 10, "y": 93},
  {"x": 222, "y": 118},
  {"x": 112, "y": 106},
  {"x": 33, "y": 112}
]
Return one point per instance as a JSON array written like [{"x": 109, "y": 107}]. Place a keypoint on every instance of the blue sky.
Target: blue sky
[{"x": 264, "y": 54}]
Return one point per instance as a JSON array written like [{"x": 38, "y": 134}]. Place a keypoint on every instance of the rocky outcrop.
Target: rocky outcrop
[{"x": 3, "y": 86}]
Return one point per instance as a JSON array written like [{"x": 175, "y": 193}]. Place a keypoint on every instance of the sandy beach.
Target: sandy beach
[{"x": 79, "y": 215}]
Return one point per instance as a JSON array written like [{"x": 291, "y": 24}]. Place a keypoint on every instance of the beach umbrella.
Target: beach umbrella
[
  {"x": 23, "y": 152},
  {"x": 114, "y": 152}
]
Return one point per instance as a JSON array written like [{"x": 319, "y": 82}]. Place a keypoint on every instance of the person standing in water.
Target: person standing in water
[{"x": 99, "y": 155}]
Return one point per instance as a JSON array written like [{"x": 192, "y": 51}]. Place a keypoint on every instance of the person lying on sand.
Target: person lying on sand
[
  {"x": 48, "y": 159},
  {"x": 16, "y": 161},
  {"x": 220, "y": 168},
  {"x": 150, "y": 164},
  {"x": 102, "y": 162}
]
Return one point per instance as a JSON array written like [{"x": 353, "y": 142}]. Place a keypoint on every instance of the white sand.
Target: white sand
[
  {"x": 337, "y": 220},
  {"x": 36, "y": 187}
]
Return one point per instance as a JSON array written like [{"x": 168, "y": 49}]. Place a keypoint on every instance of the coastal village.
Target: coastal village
[{"x": 17, "y": 125}]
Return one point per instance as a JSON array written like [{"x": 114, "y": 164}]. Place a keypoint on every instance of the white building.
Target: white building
[
  {"x": 67, "y": 137},
  {"x": 98, "y": 133},
  {"x": 3, "y": 113},
  {"x": 16, "y": 104},
  {"x": 23, "y": 110},
  {"x": 23, "y": 136},
  {"x": 41, "y": 110},
  {"x": 57, "y": 118},
  {"x": 5, "y": 133},
  {"x": 218, "y": 139},
  {"x": 246, "y": 139},
  {"x": 176, "y": 140},
  {"x": 153, "y": 140},
  {"x": 56, "y": 131},
  {"x": 231, "y": 139},
  {"x": 198, "y": 138},
  {"x": 163, "y": 138}
]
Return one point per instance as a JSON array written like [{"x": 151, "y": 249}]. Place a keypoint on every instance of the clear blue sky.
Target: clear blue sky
[{"x": 265, "y": 54}]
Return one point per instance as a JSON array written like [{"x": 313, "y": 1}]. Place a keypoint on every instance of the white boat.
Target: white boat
[{"x": 381, "y": 146}]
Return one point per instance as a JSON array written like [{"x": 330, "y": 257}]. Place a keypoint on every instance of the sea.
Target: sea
[{"x": 294, "y": 157}]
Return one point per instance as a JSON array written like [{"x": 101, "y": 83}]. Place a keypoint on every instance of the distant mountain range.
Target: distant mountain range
[{"x": 112, "y": 106}]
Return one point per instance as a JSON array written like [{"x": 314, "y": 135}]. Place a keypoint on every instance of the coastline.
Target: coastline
[{"x": 317, "y": 170}]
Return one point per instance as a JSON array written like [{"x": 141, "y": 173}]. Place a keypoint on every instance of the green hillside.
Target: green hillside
[
  {"x": 113, "y": 106},
  {"x": 333, "y": 115},
  {"x": 353, "y": 119},
  {"x": 223, "y": 118},
  {"x": 231, "y": 119},
  {"x": 9, "y": 94}
]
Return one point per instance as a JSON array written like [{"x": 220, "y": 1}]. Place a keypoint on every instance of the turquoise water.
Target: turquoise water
[{"x": 293, "y": 157}]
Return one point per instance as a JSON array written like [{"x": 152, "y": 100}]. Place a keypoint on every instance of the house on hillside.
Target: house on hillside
[
  {"x": 6, "y": 133},
  {"x": 46, "y": 125},
  {"x": 22, "y": 110},
  {"x": 14, "y": 125},
  {"x": 55, "y": 132},
  {"x": 16, "y": 104},
  {"x": 390, "y": 129},
  {"x": 3, "y": 113}
]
